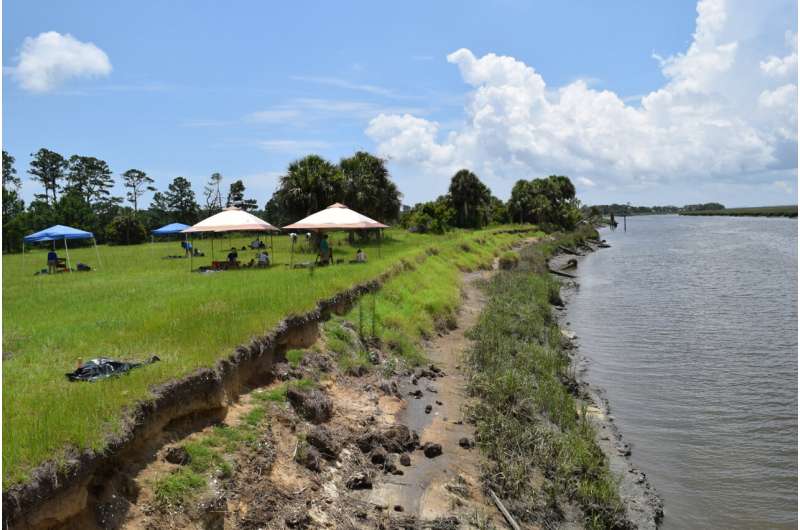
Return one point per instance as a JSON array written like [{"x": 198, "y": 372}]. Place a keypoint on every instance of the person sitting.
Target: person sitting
[
  {"x": 52, "y": 262},
  {"x": 263, "y": 259},
  {"x": 360, "y": 256},
  {"x": 325, "y": 254},
  {"x": 233, "y": 258},
  {"x": 257, "y": 243}
]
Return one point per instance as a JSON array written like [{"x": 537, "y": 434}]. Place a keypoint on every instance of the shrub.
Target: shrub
[{"x": 126, "y": 229}]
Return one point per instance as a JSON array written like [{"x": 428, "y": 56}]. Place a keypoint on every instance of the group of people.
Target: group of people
[
  {"x": 262, "y": 259},
  {"x": 325, "y": 254}
]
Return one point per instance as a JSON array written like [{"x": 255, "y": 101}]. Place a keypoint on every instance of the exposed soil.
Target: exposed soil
[
  {"x": 449, "y": 484},
  {"x": 375, "y": 461}
]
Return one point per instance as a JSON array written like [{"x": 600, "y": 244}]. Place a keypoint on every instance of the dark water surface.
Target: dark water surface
[{"x": 690, "y": 325}]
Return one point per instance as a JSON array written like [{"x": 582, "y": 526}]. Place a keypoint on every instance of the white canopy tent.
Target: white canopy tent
[
  {"x": 232, "y": 219},
  {"x": 337, "y": 216}
]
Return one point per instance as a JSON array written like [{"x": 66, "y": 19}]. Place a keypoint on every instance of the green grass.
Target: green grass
[
  {"x": 293, "y": 357},
  {"x": 402, "y": 315},
  {"x": 138, "y": 304},
  {"x": 759, "y": 211},
  {"x": 179, "y": 486},
  {"x": 527, "y": 422}
]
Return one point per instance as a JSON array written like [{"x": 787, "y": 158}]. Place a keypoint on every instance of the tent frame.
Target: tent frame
[
  {"x": 229, "y": 232},
  {"x": 66, "y": 248}
]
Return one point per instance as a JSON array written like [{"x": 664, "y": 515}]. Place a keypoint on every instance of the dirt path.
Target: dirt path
[{"x": 448, "y": 484}]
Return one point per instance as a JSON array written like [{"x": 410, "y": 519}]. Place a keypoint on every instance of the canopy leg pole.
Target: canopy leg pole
[
  {"x": 272, "y": 247},
  {"x": 23, "y": 256},
  {"x": 291, "y": 259},
  {"x": 191, "y": 255},
  {"x": 96, "y": 252},
  {"x": 212, "y": 248},
  {"x": 380, "y": 241},
  {"x": 69, "y": 266}
]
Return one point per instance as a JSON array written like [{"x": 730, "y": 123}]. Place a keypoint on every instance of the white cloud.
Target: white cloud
[
  {"x": 300, "y": 111},
  {"x": 589, "y": 183},
  {"x": 50, "y": 58},
  {"x": 293, "y": 146},
  {"x": 349, "y": 85},
  {"x": 782, "y": 66},
  {"x": 784, "y": 186},
  {"x": 783, "y": 96},
  {"x": 715, "y": 116}
]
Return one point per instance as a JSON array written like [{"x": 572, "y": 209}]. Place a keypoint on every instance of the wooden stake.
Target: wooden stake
[{"x": 511, "y": 522}]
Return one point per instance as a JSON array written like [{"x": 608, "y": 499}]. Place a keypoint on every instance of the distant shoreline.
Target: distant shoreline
[{"x": 762, "y": 211}]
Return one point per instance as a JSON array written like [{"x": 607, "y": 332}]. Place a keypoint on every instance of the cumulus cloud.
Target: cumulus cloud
[
  {"x": 50, "y": 58},
  {"x": 293, "y": 146},
  {"x": 782, "y": 66},
  {"x": 718, "y": 114}
]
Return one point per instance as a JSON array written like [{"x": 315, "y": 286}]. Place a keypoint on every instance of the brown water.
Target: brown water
[{"x": 690, "y": 325}]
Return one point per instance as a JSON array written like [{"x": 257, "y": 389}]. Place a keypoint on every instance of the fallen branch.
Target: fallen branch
[
  {"x": 511, "y": 522},
  {"x": 559, "y": 273},
  {"x": 568, "y": 250}
]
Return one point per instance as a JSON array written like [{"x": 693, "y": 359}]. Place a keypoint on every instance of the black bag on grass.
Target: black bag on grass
[{"x": 102, "y": 368}]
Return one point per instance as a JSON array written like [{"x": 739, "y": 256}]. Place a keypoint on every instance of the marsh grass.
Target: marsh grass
[
  {"x": 527, "y": 422},
  {"x": 758, "y": 211}
]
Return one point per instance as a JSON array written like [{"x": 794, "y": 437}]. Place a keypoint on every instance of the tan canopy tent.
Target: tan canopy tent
[
  {"x": 232, "y": 219},
  {"x": 335, "y": 217}
]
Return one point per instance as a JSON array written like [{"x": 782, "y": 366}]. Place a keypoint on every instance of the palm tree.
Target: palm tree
[
  {"x": 310, "y": 184},
  {"x": 470, "y": 199}
]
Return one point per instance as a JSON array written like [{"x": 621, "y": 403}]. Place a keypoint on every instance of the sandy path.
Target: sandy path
[{"x": 449, "y": 484}]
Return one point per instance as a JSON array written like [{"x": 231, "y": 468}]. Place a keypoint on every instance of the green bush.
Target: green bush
[{"x": 126, "y": 229}]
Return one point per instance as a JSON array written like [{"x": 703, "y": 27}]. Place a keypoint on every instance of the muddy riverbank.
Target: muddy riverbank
[{"x": 644, "y": 507}]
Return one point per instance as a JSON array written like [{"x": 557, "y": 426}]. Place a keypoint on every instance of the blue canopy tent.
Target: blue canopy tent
[
  {"x": 167, "y": 230},
  {"x": 170, "y": 229},
  {"x": 58, "y": 233}
]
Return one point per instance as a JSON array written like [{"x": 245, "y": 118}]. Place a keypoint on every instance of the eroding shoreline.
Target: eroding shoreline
[{"x": 644, "y": 507}]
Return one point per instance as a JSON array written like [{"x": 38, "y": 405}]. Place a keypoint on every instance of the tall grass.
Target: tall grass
[
  {"x": 539, "y": 444},
  {"x": 139, "y": 304},
  {"x": 424, "y": 299}
]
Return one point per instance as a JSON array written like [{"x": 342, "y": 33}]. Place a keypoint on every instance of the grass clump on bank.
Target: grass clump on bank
[
  {"x": 176, "y": 488},
  {"x": 540, "y": 446}
]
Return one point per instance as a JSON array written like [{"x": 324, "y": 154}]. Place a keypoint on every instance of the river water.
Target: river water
[{"x": 690, "y": 326}]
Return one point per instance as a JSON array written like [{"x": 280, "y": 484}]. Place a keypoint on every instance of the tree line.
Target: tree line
[
  {"x": 548, "y": 202},
  {"x": 627, "y": 209},
  {"x": 78, "y": 191}
]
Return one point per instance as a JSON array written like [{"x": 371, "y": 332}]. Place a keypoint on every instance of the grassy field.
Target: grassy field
[
  {"x": 139, "y": 304},
  {"x": 761, "y": 211}
]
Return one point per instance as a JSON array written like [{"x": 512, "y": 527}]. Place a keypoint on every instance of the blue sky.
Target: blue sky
[{"x": 244, "y": 88}]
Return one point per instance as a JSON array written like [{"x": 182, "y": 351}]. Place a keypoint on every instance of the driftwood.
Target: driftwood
[
  {"x": 511, "y": 522},
  {"x": 568, "y": 250},
  {"x": 572, "y": 263},
  {"x": 559, "y": 273}
]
